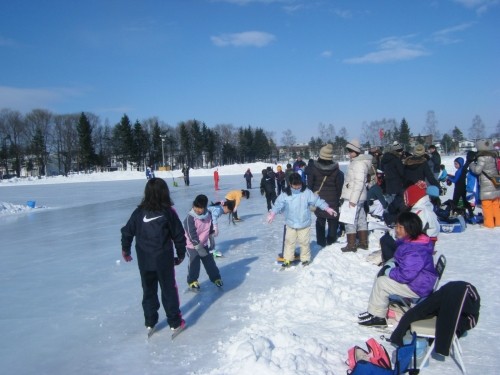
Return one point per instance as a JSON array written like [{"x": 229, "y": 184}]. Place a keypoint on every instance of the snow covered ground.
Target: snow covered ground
[{"x": 69, "y": 304}]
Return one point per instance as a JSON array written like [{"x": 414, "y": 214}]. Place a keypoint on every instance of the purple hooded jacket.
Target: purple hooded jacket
[{"x": 415, "y": 265}]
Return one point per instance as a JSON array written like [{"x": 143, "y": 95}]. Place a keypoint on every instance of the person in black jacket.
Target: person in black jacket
[
  {"x": 156, "y": 228},
  {"x": 456, "y": 306},
  {"x": 393, "y": 169},
  {"x": 434, "y": 161},
  {"x": 417, "y": 169},
  {"x": 268, "y": 187},
  {"x": 326, "y": 179}
]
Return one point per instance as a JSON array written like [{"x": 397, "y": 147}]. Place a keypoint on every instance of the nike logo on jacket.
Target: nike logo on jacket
[{"x": 146, "y": 220}]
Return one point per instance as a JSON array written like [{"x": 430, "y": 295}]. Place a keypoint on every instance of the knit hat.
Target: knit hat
[
  {"x": 414, "y": 193},
  {"x": 354, "y": 146},
  {"x": 484, "y": 145},
  {"x": 396, "y": 147},
  {"x": 432, "y": 191},
  {"x": 375, "y": 149},
  {"x": 326, "y": 152},
  {"x": 419, "y": 150}
]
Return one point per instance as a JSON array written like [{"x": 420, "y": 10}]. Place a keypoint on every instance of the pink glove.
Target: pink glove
[
  {"x": 216, "y": 230},
  {"x": 331, "y": 211},
  {"x": 126, "y": 256},
  {"x": 270, "y": 217}
]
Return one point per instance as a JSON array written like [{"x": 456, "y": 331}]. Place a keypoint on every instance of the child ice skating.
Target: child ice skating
[
  {"x": 156, "y": 228},
  {"x": 198, "y": 227},
  {"x": 295, "y": 201}
]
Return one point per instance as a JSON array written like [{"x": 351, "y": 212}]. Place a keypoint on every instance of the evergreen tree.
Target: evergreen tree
[
  {"x": 86, "y": 154},
  {"x": 457, "y": 134},
  {"x": 139, "y": 145},
  {"x": 404, "y": 134},
  {"x": 123, "y": 141},
  {"x": 38, "y": 150},
  {"x": 261, "y": 145}
]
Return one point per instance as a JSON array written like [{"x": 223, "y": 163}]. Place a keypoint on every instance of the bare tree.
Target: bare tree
[
  {"x": 431, "y": 126},
  {"x": 476, "y": 131},
  {"x": 326, "y": 132}
]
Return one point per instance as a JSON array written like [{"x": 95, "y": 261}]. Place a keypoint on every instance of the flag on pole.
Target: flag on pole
[{"x": 381, "y": 133}]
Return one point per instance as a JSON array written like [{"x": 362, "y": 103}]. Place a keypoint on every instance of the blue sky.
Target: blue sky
[{"x": 274, "y": 64}]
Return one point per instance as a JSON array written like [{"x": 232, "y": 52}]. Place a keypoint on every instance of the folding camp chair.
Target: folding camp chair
[
  {"x": 427, "y": 328},
  {"x": 404, "y": 355},
  {"x": 407, "y": 302}
]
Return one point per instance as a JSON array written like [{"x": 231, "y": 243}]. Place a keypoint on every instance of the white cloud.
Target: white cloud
[
  {"x": 481, "y": 6},
  {"x": 327, "y": 54},
  {"x": 389, "y": 50},
  {"x": 446, "y": 36},
  {"x": 6, "y": 42},
  {"x": 245, "y": 2},
  {"x": 244, "y": 39},
  {"x": 25, "y": 99}
]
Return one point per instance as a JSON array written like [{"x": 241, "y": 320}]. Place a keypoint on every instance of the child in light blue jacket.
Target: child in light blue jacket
[{"x": 296, "y": 202}]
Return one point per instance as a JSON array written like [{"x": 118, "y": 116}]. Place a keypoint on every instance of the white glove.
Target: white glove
[
  {"x": 331, "y": 211},
  {"x": 216, "y": 230},
  {"x": 202, "y": 252},
  {"x": 270, "y": 217}
]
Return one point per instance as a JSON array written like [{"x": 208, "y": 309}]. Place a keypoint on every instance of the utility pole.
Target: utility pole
[{"x": 163, "y": 137}]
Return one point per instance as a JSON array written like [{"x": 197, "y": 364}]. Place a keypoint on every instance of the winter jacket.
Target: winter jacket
[
  {"x": 155, "y": 232},
  {"x": 486, "y": 162},
  {"x": 248, "y": 175},
  {"x": 217, "y": 211},
  {"x": 267, "y": 184},
  {"x": 331, "y": 188},
  {"x": 425, "y": 211},
  {"x": 234, "y": 195},
  {"x": 354, "y": 189},
  {"x": 434, "y": 162},
  {"x": 414, "y": 265},
  {"x": 417, "y": 169},
  {"x": 296, "y": 207},
  {"x": 197, "y": 228},
  {"x": 393, "y": 169}
]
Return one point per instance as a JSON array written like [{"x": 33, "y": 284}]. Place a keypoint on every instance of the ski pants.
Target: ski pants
[
  {"x": 383, "y": 287},
  {"x": 195, "y": 261},
  {"x": 491, "y": 212},
  {"x": 169, "y": 296},
  {"x": 297, "y": 236}
]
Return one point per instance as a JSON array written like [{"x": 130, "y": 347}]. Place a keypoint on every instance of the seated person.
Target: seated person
[
  {"x": 413, "y": 274},
  {"x": 416, "y": 199},
  {"x": 375, "y": 198}
]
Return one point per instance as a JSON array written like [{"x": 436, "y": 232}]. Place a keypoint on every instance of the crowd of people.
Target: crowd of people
[{"x": 400, "y": 189}]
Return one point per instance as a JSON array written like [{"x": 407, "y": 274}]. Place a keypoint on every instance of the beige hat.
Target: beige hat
[
  {"x": 419, "y": 150},
  {"x": 483, "y": 145},
  {"x": 354, "y": 146},
  {"x": 326, "y": 152}
]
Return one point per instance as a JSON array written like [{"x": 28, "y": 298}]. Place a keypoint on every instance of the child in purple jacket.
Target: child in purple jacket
[{"x": 412, "y": 275}]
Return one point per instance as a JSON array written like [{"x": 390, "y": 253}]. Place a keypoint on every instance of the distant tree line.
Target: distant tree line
[{"x": 80, "y": 142}]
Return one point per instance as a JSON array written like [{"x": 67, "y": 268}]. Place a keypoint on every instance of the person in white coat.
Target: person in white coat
[{"x": 354, "y": 191}]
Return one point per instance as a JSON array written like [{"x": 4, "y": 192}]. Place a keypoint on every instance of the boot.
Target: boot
[
  {"x": 363, "y": 239},
  {"x": 351, "y": 243}
]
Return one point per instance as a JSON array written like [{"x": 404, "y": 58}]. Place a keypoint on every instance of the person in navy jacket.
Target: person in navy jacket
[{"x": 157, "y": 229}]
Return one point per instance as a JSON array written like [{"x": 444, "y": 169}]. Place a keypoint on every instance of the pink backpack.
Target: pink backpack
[{"x": 376, "y": 354}]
